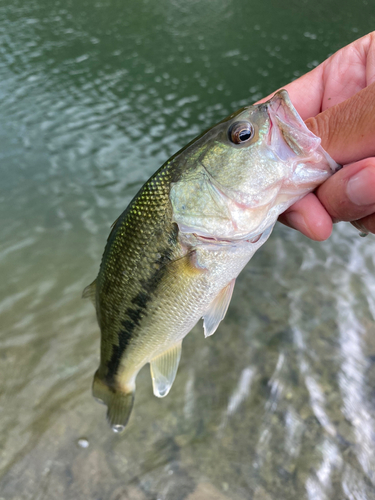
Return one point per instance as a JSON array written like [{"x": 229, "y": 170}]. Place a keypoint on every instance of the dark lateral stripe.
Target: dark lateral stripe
[
  {"x": 124, "y": 338},
  {"x": 134, "y": 315},
  {"x": 141, "y": 300}
]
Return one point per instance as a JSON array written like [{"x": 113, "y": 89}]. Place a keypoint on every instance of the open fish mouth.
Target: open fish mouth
[{"x": 288, "y": 135}]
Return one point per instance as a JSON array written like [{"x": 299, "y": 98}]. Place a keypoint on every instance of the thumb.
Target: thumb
[{"x": 347, "y": 130}]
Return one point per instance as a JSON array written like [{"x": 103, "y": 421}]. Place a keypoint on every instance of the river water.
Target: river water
[{"x": 280, "y": 402}]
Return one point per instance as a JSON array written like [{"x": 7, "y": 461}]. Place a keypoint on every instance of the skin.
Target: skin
[{"x": 337, "y": 102}]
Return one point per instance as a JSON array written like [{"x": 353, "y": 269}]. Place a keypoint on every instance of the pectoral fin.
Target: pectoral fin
[
  {"x": 163, "y": 370},
  {"x": 217, "y": 309}
]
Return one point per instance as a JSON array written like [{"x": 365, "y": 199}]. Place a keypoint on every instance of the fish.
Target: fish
[{"x": 172, "y": 257}]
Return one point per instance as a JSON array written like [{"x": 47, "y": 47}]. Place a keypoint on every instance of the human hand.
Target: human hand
[{"x": 337, "y": 101}]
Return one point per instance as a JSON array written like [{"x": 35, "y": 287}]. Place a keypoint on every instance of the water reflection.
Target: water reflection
[{"x": 279, "y": 403}]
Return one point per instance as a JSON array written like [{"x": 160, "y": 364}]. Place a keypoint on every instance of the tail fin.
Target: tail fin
[{"x": 119, "y": 403}]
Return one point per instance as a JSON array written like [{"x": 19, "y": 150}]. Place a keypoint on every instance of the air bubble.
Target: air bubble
[
  {"x": 118, "y": 428},
  {"x": 83, "y": 443}
]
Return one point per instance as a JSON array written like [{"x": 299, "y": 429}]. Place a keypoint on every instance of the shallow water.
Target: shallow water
[{"x": 279, "y": 403}]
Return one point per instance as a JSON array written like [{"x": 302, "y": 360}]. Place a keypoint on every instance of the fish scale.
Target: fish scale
[
  {"x": 129, "y": 270},
  {"x": 173, "y": 256}
]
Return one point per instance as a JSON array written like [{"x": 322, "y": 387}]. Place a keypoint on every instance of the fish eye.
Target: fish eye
[{"x": 240, "y": 132}]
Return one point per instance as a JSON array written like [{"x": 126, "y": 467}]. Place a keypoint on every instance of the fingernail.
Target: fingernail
[{"x": 361, "y": 188}]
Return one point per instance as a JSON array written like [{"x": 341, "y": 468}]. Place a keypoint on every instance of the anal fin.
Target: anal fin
[
  {"x": 217, "y": 309},
  {"x": 163, "y": 370}
]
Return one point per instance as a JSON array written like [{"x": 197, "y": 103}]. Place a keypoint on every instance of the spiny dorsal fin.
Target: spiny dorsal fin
[
  {"x": 217, "y": 309},
  {"x": 90, "y": 292},
  {"x": 113, "y": 227},
  {"x": 163, "y": 370},
  {"x": 115, "y": 222}
]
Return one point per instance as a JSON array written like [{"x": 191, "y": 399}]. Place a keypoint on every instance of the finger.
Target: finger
[
  {"x": 348, "y": 71},
  {"x": 338, "y": 78},
  {"x": 309, "y": 217},
  {"x": 348, "y": 129},
  {"x": 312, "y": 83},
  {"x": 349, "y": 195}
]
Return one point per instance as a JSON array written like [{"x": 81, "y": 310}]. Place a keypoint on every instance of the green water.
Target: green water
[{"x": 279, "y": 403}]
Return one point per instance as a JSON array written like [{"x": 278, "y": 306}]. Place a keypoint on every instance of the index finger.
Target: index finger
[
  {"x": 338, "y": 78},
  {"x": 305, "y": 93}
]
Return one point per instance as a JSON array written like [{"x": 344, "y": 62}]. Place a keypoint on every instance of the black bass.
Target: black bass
[{"x": 174, "y": 254}]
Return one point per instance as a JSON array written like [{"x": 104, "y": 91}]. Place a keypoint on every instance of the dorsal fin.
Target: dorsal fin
[
  {"x": 217, "y": 309},
  {"x": 113, "y": 227},
  {"x": 90, "y": 292},
  {"x": 163, "y": 370}
]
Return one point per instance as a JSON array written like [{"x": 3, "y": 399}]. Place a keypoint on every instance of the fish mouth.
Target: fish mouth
[
  {"x": 288, "y": 133},
  {"x": 217, "y": 241},
  {"x": 289, "y": 136}
]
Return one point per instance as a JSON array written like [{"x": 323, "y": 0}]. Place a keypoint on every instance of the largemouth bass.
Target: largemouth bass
[{"x": 174, "y": 254}]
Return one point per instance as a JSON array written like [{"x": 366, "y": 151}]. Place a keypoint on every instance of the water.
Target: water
[{"x": 279, "y": 403}]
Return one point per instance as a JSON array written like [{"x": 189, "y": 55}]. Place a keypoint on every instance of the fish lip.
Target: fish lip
[
  {"x": 211, "y": 240},
  {"x": 217, "y": 241},
  {"x": 289, "y": 136},
  {"x": 280, "y": 107},
  {"x": 288, "y": 129}
]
